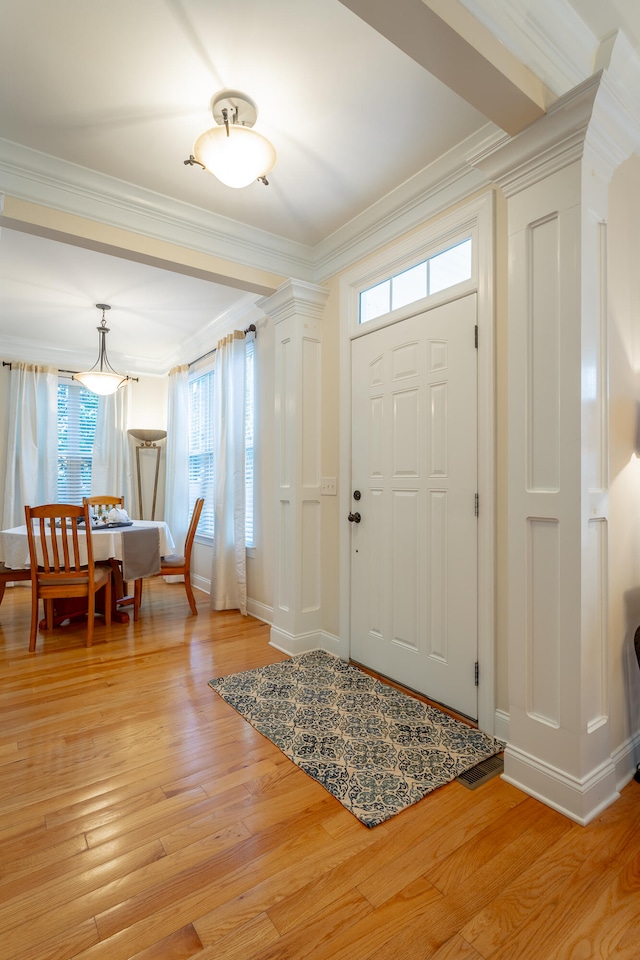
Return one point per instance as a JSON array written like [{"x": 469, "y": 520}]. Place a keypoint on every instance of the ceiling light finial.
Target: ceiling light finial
[
  {"x": 101, "y": 378},
  {"x": 233, "y": 151}
]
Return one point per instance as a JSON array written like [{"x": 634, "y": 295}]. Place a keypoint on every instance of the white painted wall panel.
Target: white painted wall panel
[
  {"x": 310, "y": 413},
  {"x": 310, "y": 566},
  {"x": 595, "y": 565},
  {"x": 287, "y": 412},
  {"x": 543, "y": 632},
  {"x": 285, "y": 582},
  {"x": 543, "y": 380},
  {"x": 594, "y": 362}
]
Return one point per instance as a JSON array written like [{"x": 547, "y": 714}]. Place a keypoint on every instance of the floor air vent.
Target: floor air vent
[{"x": 484, "y": 771}]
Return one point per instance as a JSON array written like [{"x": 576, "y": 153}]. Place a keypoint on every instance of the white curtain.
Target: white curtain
[
  {"x": 228, "y": 571},
  {"x": 111, "y": 463},
  {"x": 176, "y": 510},
  {"x": 32, "y": 442}
]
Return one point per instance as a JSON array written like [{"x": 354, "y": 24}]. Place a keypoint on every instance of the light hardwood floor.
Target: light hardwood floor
[{"x": 141, "y": 817}]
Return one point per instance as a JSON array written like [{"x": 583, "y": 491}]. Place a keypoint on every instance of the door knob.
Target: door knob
[{"x": 354, "y": 518}]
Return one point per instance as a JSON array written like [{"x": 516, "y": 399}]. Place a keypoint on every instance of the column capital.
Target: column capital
[
  {"x": 548, "y": 145},
  {"x": 614, "y": 133},
  {"x": 295, "y": 298},
  {"x": 599, "y": 120}
]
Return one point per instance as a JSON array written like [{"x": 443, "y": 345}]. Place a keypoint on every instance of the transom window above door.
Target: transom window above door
[{"x": 443, "y": 270}]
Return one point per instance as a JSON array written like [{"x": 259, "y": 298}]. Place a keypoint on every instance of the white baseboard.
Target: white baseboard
[
  {"x": 259, "y": 610},
  {"x": 304, "y": 642},
  {"x": 292, "y": 644},
  {"x": 626, "y": 759},
  {"x": 254, "y": 608},
  {"x": 580, "y": 800},
  {"x": 330, "y": 643}
]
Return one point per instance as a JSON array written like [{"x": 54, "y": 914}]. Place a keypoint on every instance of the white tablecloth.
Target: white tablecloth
[{"x": 14, "y": 543}]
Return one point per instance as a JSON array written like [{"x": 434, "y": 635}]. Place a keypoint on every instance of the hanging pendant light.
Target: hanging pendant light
[
  {"x": 233, "y": 151},
  {"x": 102, "y": 378}
]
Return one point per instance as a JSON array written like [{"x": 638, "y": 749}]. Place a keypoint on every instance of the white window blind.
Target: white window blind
[
  {"x": 77, "y": 411},
  {"x": 201, "y": 449},
  {"x": 201, "y": 442},
  {"x": 248, "y": 440}
]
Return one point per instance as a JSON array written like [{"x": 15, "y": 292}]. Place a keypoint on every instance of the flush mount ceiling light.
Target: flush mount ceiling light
[
  {"x": 102, "y": 378},
  {"x": 233, "y": 151}
]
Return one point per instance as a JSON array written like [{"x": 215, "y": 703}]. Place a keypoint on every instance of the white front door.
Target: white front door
[{"x": 414, "y": 465}]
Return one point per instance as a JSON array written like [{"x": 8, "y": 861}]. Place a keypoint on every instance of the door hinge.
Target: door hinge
[
  {"x": 476, "y": 336},
  {"x": 477, "y": 674},
  {"x": 477, "y": 505}
]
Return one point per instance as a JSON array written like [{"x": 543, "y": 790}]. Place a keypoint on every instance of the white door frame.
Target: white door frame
[{"x": 475, "y": 218}]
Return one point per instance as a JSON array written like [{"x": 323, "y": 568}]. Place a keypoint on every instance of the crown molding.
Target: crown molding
[
  {"x": 615, "y": 131},
  {"x": 39, "y": 178},
  {"x": 548, "y": 145},
  {"x": 448, "y": 180},
  {"x": 547, "y": 36},
  {"x": 599, "y": 120},
  {"x": 295, "y": 298}
]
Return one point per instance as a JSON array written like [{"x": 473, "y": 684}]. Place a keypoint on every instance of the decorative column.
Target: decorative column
[
  {"x": 296, "y": 310},
  {"x": 555, "y": 175}
]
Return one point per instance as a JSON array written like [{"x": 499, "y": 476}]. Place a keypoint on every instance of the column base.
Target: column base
[{"x": 580, "y": 800}]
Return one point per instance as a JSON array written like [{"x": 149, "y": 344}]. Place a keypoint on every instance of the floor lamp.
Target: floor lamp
[{"x": 148, "y": 441}]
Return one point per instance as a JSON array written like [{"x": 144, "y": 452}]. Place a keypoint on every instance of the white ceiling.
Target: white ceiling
[{"x": 123, "y": 88}]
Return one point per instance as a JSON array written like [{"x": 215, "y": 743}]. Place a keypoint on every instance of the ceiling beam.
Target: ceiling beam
[
  {"x": 28, "y": 217},
  {"x": 444, "y": 38}
]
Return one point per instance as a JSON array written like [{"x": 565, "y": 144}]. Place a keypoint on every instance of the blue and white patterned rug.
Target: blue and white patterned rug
[{"x": 374, "y": 748}]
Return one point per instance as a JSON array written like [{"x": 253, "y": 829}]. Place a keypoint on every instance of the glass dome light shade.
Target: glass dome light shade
[
  {"x": 237, "y": 159},
  {"x": 100, "y": 382}
]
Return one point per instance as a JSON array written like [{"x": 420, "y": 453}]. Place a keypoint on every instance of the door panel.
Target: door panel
[{"x": 414, "y": 457}]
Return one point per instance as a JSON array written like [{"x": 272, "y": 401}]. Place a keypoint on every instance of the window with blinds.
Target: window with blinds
[
  {"x": 201, "y": 448},
  {"x": 248, "y": 442},
  {"x": 77, "y": 412},
  {"x": 201, "y": 445}
]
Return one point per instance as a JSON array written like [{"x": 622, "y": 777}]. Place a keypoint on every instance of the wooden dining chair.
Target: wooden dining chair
[
  {"x": 60, "y": 567},
  {"x": 175, "y": 565},
  {"x": 102, "y": 504},
  {"x": 7, "y": 575}
]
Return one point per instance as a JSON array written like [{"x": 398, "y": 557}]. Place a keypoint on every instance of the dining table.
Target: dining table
[{"x": 133, "y": 549}]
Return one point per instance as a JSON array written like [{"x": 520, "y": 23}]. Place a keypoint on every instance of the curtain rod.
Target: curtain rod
[
  {"x": 250, "y": 329},
  {"x": 8, "y": 363}
]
